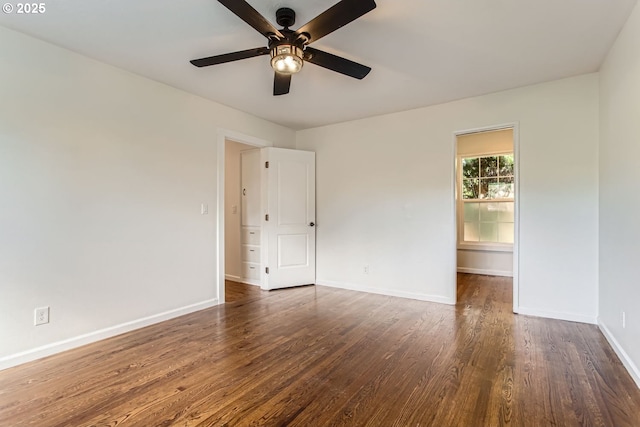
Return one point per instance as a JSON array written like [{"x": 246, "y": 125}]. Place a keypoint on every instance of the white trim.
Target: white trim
[
  {"x": 516, "y": 218},
  {"x": 516, "y": 212},
  {"x": 232, "y": 135},
  {"x": 389, "y": 292},
  {"x": 485, "y": 272},
  {"x": 453, "y": 290},
  {"x": 484, "y": 153},
  {"x": 483, "y": 247},
  {"x": 91, "y": 337},
  {"x": 220, "y": 260},
  {"x": 624, "y": 357},
  {"x": 223, "y": 136},
  {"x": 239, "y": 279},
  {"x": 251, "y": 283},
  {"x": 571, "y": 317},
  {"x": 486, "y": 129}
]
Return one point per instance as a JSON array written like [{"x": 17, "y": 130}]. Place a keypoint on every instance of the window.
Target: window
[{"x": 487, "y": 192}]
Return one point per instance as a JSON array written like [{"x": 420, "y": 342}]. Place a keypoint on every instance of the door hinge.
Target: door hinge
[
  {"x": 266, "y": 269},
  {"x": 266, "y": 217},
  {"x": 266, "y": 165}
]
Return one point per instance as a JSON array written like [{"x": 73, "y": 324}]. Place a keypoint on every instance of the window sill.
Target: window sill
[{"x": 490, "y": 247}]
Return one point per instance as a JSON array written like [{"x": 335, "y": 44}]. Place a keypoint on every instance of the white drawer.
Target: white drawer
[
  {"x": 251, "y": 270},
  {"x": 250, "y": 236},
  {"x": 250, "y": 253}
]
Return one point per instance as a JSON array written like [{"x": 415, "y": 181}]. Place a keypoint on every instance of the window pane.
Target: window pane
[
  {"x": 488, "y": 232},
  {"x": 471, "y": 212},
  {"x": 488, "y": 166},
  {"x": 506, "y": 179},
  {"x": 471, "y": 232},
  {"x": 488, "y": 187},
  {"x": 500, "y": 190},
  {"x": 470, "y": 168},
  {"x": 489, "y": 180},
  {"x": 489, "y": 212},
  {"x": 505, "y": 232},
  {"x": 506, "y": 164},
  {"x": 470, "y": 188},
  {"x": 505, "y": 213}
]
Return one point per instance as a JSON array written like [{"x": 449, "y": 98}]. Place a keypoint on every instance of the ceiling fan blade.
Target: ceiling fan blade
[
  {"x": 248, "y": 14},
  {"x": 228, "y": 57},
  {"x": 281, "y": 84},
  {"x": 336, "y": 63},
  {"x": 335, "y": 17}
]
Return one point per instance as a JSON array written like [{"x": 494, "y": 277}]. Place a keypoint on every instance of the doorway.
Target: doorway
[
  {"x": 223, "y": 210},
  {"x": 486, "y": 203},
  {"x": 234, "y": 208},
  {"x": 282, "y": 230}
]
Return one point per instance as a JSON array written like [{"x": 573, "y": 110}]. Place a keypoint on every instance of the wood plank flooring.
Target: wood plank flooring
[{"x": 317, "y": 356}]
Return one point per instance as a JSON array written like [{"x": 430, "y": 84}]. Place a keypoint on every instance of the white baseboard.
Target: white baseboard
[
  {"x": 252, "y": 283},
  {"x": 80, "y": 340},
  {"x": 388, "y": 292},
  {"x": 485, "y": 272},
  {"x": 571, "y": 317},
  {"x": 241, "y": 280},
  {"x": 624, "y": 357}
]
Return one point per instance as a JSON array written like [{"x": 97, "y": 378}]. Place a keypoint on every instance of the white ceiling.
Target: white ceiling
[{"x": 423, "y": 52}]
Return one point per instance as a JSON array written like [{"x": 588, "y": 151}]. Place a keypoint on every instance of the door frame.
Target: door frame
[
  {"x": 223, "y": 136},
  {"x": 516, "y": 213}
]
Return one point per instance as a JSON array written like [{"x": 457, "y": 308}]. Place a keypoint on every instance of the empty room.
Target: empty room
[{"x": 319, "y": 213}]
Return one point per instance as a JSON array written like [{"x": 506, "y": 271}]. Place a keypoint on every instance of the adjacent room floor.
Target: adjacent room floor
[{"x": 318, "y": 356}]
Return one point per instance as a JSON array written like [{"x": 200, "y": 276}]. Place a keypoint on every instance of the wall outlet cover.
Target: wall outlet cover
[{"x": 41, "y": 316}]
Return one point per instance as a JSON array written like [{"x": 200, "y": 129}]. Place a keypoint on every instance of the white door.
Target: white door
[{"x": 289, "y": 222}]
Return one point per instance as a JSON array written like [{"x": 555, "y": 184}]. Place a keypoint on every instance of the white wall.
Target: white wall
[
  {"x": 619, "y": 202},
  {"x": 102, "y": 174},
  {"x": 232, "y": 189},
  {"x": 479, "y": 143},
  {"x": 493, "y": 263},
  {"x": 385, "y": 197}
]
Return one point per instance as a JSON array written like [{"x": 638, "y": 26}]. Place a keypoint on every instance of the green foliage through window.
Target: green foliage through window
[{"x": 487, "y": 177}]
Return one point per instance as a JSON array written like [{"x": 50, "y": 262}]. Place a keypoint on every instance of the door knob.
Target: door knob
[{"x": 311, "y": 224}]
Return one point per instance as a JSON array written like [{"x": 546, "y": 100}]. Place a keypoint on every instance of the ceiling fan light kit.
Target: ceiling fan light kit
[
  {"x": 288, "y": 49},
  {"x": 286, "y": 58}
]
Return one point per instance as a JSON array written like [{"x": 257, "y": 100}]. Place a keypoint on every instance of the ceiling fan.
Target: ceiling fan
[{"x": 289, "y": 49}]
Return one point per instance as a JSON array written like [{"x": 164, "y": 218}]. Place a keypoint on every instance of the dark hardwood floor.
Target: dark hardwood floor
[{"x": 317, "y": 356}]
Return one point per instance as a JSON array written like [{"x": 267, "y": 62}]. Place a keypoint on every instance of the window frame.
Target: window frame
[{"x": 483, "y": 246}]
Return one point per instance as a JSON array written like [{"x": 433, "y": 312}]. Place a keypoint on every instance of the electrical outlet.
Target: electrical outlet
[
  {"x": 41, "y": 316},
  {"x": 204, "y": 209},
  {"x": 366, "y": 269},
  {"x": 624, "y": 320}
]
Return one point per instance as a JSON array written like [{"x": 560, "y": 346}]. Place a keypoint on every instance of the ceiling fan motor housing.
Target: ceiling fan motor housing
[{"x": 285, "y": 17}]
